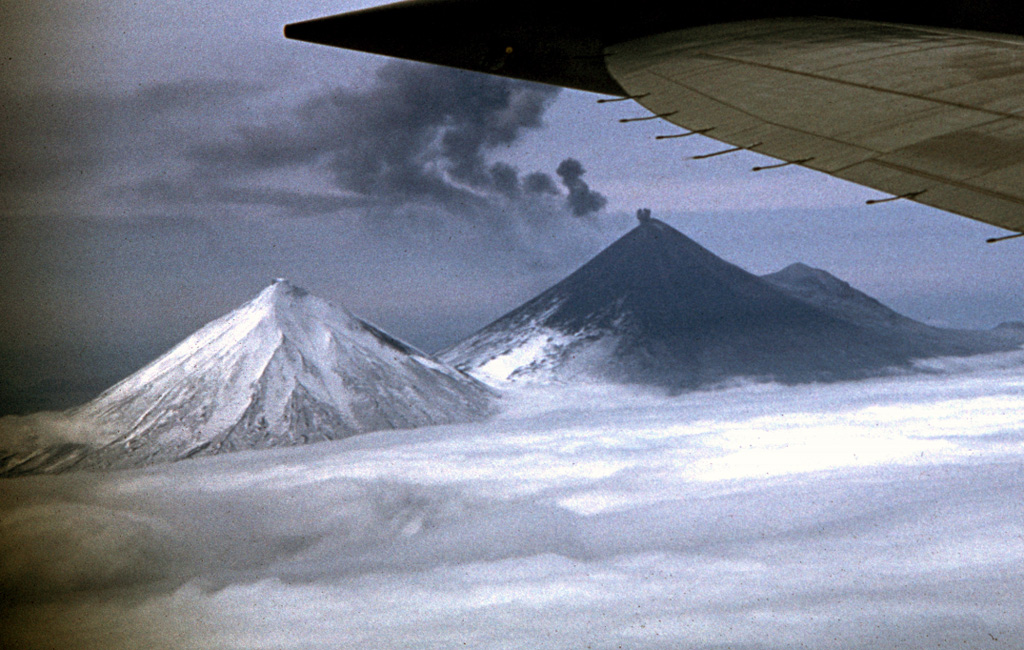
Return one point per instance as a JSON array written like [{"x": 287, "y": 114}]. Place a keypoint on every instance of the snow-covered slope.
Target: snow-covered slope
[
  {"x": 657, "y": 308},
  {"x": 284, "y": 369}
]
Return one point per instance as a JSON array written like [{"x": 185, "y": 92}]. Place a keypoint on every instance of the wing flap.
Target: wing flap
[{"x": 936, "y": 115}]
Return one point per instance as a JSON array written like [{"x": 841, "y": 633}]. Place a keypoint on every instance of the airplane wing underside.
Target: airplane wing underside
[
  {"x": 926, "y": 113},
  {"x": 934, "y": 116}
]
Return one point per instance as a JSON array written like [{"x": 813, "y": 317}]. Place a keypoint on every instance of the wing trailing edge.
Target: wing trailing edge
[
  {"x": 879, "y": 92},
  {"x": 544, "y": 42}
]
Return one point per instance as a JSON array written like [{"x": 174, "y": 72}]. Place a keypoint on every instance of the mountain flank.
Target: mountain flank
[
  {"x": 287, "y": 368},
  {"x": 656, "y": 308}
]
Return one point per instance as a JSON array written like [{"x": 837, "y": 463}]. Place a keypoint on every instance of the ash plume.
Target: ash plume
[
  {"x": 419, "y": 135},
  {"x": 582, "y": 200}
]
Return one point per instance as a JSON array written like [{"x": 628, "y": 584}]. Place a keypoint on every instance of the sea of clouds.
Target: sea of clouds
[{"x": 875, "y": 514}]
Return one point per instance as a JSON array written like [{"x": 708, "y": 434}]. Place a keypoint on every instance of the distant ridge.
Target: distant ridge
[
  {"x": 841, "y": 300},
  {"x": 828, "y": 292},
  {"x": 657, "y": 308},
  {"x": 286, "y": 368}
]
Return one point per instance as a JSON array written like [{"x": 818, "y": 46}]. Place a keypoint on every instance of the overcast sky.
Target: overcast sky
[{"x": 163, "y": 162}]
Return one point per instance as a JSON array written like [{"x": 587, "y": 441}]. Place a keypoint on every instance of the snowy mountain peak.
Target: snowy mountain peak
[
  {"x": 284, "y": 287},
  {"x": 283, "y": 369},
  {"x": 286, "y": 312},
  {"x": 281, "y": 294}
]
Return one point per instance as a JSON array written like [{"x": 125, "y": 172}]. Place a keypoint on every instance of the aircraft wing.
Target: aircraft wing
[
  {"x": 926, "y": 113},
  {"x": 934, "y": 116}
]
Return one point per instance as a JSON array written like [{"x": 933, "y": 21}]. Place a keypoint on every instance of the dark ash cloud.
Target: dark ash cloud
[
  {"x": 582, "y": 200},
  {"x": 417, "y": 142},
  {"x": 505, "y": 179},
  {"x": 419, "y": 135},
  {"x": 539, "y": 183}
]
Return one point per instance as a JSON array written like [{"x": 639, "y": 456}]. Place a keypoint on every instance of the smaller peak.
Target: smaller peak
[
  {"x": 800, "y": 267},
  {"x": 643, "y": 215},
  {"x": 799, "y": 271},
  {"x": 801, "y": 277}
]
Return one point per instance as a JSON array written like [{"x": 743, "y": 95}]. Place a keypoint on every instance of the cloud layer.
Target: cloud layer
[{"x": 877, "y": 514}]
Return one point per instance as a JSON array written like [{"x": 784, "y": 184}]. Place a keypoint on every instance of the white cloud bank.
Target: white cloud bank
[{"x": 877, "y": 514}]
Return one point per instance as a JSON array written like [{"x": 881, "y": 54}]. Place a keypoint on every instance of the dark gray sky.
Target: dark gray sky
[{"x": 162, "y": 163}]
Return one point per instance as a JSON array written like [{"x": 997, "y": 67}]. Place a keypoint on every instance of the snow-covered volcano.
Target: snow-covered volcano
[
  {"x": 284, "y": 369},
  {"x": 657, "y": 308}
]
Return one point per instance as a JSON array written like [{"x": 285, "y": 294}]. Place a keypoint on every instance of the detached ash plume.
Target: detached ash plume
[{"x": 417, "y": 135}]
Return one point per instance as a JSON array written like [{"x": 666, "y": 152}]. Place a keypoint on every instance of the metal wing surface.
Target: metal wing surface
[{"x": 932, "y": 115}]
